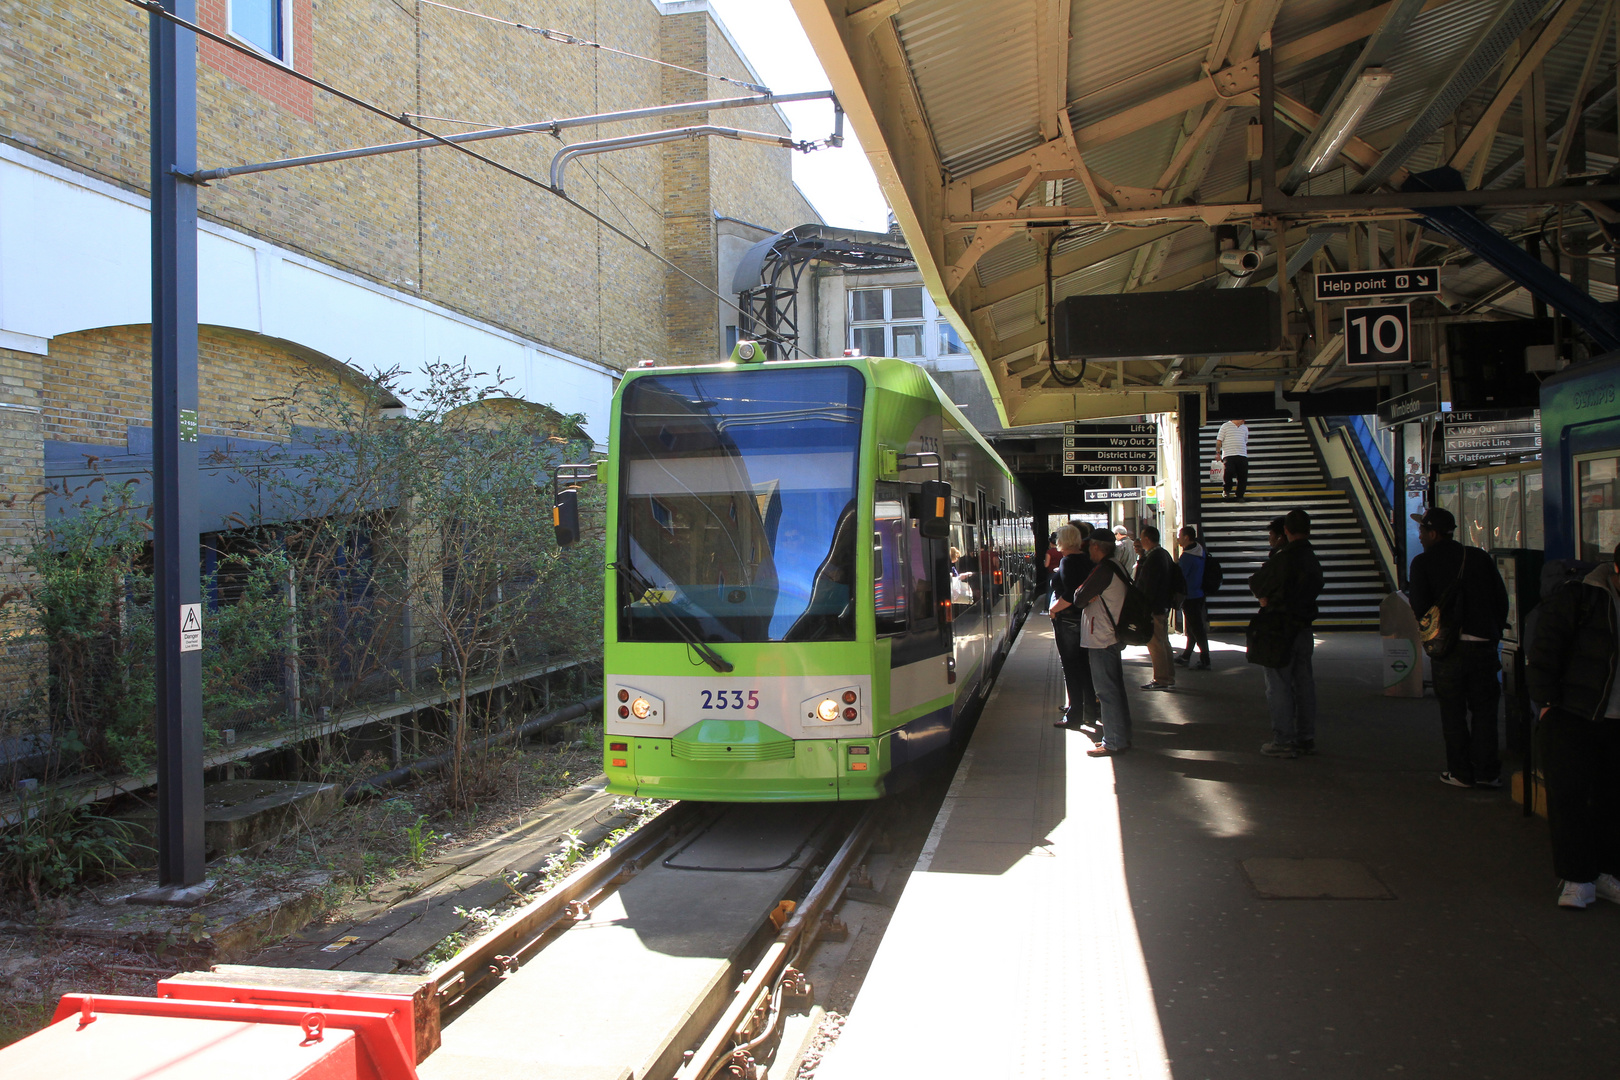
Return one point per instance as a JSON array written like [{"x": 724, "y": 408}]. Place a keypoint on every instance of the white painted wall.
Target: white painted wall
[{"x": 75, "y": 254}]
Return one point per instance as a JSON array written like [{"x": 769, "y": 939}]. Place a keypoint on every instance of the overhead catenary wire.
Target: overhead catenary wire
[
  {"x": 564, "y": 38},
  {"x": 155, "y": 8}
]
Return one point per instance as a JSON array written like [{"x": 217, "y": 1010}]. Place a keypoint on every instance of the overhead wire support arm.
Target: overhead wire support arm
[
  {"x": 432, "y": 137},
  {"x": 651, "y": 138},
  {"x": 547, "y": 127}
]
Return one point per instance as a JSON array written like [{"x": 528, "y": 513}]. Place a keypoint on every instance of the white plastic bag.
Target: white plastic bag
[{"x": 1217, "y": 472}]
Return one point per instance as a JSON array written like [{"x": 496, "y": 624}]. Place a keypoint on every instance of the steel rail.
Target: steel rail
[
  {"x": 499, "y": 952},
  {"x": 722, "y": 1045}
]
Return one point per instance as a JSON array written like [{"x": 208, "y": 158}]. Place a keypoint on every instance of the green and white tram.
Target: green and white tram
[{"x": 814, "y": 569}]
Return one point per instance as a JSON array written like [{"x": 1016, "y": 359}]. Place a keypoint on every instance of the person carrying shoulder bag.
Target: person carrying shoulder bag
[
  {"x": 1462, "y": 594},
  {"x": 1101, "y": 600}
]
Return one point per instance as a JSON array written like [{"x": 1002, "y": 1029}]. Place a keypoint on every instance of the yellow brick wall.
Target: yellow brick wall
[
  {"x": 98, "y": 383},
  {"x": 435, "y": 223}
]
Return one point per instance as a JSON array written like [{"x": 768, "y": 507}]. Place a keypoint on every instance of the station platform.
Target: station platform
[{"x": 1193, "y": 909}]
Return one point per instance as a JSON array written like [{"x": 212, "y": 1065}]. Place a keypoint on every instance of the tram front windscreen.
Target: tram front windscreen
[{"x": 738, "y": 504}]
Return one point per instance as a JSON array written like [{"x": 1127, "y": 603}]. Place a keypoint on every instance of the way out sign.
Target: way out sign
[{"x": 1378, "y": 334}]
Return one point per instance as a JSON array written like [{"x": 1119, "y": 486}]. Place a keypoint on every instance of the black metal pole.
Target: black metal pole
[{"x": 174, "y": 460}]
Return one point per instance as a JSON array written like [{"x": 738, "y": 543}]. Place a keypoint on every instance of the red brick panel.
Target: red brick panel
[{"x": 263, "y": 77}]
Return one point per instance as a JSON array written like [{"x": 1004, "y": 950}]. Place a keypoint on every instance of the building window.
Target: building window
[
  {"x": 264, "y": 25},
  {"x": 868, "y": 341},
  {"x": 906, "y": 303},
  {"x": 897, "y": 322}
]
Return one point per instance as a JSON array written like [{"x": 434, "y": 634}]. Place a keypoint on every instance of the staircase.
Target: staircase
[{"x": 1285, "y": 474}]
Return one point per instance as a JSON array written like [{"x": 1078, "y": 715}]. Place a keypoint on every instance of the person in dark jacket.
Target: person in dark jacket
[
  {"x": 1571, "y": 672},
  {"x": 1288, "y": 585},
  {"x": 1155, "y": 576},
  {"x": 1468, "y": 679},
  {"x": 1074, "y": 565},
  {"x": 1194, "y": 611}
]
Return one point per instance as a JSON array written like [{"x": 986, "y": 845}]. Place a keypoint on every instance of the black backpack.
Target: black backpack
[
  {"x": 1134, "y": 623},
  {"x": 1214, "y": 574}
]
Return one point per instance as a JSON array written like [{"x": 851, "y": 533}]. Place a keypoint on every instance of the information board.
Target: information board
[
  {"x": 1110, "y": 449},
  {"x": 1355, "y": 284},
  {"x": 1412, "y": 405},
  {"x": 1114, "y": 494},
  {"x": 1491, "y": 435}
]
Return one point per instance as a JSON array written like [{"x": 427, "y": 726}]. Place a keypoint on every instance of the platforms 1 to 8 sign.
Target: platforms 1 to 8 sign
[{"x": 1110, "y": 449}]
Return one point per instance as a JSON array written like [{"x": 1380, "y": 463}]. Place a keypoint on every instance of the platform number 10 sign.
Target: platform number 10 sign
[{"x": 1378, "y": 334}]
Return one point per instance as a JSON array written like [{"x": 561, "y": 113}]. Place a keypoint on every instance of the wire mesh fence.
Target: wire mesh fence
[{"x": 387, "y": 558}]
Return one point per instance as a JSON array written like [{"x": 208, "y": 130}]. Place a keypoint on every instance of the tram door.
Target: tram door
[{"x": 911, "y": 586}]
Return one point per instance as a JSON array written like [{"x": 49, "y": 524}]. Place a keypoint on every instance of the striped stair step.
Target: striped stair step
[{"x": 1285, "y": 474}]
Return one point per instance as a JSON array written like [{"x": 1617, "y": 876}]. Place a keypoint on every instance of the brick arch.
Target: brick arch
[
  {"x": 97, "y": 383},
  {"x": 494, "y": 409}
]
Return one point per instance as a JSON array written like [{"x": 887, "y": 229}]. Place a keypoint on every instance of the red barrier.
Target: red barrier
[{"x": 311, "y": 1037}]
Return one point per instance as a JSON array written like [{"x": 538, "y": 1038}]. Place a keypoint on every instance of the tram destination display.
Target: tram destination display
[
  {"x": 1110, "y": 449},
  {"x": 1491, "y": 435}
]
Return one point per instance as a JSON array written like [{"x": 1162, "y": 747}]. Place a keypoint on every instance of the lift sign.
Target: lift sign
[{"x": 1377, "y": 334}]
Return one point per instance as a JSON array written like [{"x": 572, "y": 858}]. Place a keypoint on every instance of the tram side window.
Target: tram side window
[
  {"x": 904, "y": 586},
  {"x": 1599, "y": 480},
  {"x": 890, "y": 587}
]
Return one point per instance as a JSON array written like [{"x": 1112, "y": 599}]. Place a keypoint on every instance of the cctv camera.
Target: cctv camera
[{"x": 1240, "y": 262}]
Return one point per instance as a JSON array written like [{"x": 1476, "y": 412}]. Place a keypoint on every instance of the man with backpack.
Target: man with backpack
[
  {"x": 1473, "y": 602},
  {"x": 1159, "y": 578},
  {"x": 1287, "y": 587},
  {"x": 1573, "y": 671},
  {"x": 1195, "y": 565}
]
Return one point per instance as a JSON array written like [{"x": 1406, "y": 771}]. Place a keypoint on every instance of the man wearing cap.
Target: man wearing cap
[{"x": 1466, "y": 680}]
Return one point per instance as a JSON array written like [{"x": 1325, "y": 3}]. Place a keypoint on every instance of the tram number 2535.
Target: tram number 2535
[
  {"x": 1378, "y": 334},
  {"x": 719, "y": 700}
]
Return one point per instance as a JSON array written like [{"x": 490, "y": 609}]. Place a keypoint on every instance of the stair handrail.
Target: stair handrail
[{"x": 1373, "y": 493}]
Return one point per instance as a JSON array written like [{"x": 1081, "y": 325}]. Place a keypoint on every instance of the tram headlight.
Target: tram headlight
[
  {"x": 641, "y": 707},
  {"x": 828, "y": 709}
]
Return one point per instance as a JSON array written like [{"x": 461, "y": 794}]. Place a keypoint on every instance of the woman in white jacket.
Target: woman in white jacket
[{"x": 1101, "y": 598}]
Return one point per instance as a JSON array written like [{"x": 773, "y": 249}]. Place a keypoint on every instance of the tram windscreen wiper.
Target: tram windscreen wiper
[{"x": 648, "y": 592}]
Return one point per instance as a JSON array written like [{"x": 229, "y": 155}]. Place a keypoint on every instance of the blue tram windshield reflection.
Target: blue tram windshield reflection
[{"x": 738, "y": 503}]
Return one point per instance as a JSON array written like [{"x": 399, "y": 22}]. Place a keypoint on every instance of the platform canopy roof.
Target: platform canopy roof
[{"x": 1109, "y": 146}]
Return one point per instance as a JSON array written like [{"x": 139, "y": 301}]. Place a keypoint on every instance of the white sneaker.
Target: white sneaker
[
  {"x": 1607, "y": 888},
  {"x": 1577, "y": 894}
]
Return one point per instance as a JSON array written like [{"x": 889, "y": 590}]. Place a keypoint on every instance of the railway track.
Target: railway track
[{"x": 710, "y": 979}]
